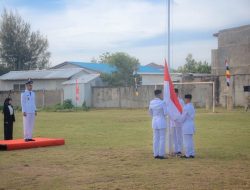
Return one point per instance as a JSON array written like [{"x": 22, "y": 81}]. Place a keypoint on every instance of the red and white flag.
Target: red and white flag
[
  {"x": 173, "y": 105},
  {"x": 228, "y": 75},
  {"x": 77, "y": 91},
  {"x": 170, "y": 96}
]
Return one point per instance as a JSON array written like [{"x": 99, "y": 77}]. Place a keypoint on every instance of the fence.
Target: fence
[
  {"x": 43, "y": 97},
  {"x": 124, "y": 97},
  {"x": 117, "y": 97}
]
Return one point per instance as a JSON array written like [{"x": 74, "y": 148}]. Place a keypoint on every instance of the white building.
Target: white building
[
  {"x": 84, "y": 83},
  {"x": 63, "y": 78},
  {"x": 43, "y": 79},
  {"x": 150, "y": 75},
  {"x": 53, "y": 81}
]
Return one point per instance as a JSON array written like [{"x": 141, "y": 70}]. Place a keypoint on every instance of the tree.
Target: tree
[
  {"x": 192, "y": 66},
  {"x": 21, "y": 49},
  {"x": 125, "y": 66}
]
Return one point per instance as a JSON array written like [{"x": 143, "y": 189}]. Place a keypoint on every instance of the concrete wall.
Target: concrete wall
[
  {"x": 235, "y": 90},
  {"x": 155, "y": 79},
  {"x": 124, "y": 97},
  {"x": 152, "y": 79},
  {"x": 233, "y": 45},
  {"x": 43, "y": 98}
]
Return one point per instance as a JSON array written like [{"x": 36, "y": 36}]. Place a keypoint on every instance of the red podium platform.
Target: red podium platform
[{"x": 21, "y": 144}]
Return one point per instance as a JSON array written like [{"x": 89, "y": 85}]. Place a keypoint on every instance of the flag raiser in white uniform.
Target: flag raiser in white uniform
[
  {"x": 158, "y": 111},
  {"x": 176, "y": 141},
  {"x": 188, "y": 128}
]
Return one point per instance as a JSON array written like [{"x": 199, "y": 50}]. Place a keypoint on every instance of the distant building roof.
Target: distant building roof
[
  {"x": 161, "y": 67},
  {"x": 149, "y": 70},
  {"x": 83, "y": 79},
  {"x": 106, "y": 68},
  {"x": 98, "y": 67},
  {"x": 232, "y": 29},
  {"x": 41, "y": 74}
]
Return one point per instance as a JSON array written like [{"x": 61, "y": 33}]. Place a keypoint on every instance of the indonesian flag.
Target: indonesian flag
[
  {"x": 170, "y": 96},
  {"x": 77, "y": 91},
  {"x": 228, "y": 75}
]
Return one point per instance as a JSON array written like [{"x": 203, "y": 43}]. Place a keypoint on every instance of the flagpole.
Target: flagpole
[
  {"x": 169, "y": 36},
  {"x": 168, "y": 131}
]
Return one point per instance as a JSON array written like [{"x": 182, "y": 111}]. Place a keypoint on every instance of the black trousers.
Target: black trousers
[{"x": 8, "y": 130}]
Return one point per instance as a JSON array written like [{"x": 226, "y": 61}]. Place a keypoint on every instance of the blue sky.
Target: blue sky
[{"x": 79, "y": 30}]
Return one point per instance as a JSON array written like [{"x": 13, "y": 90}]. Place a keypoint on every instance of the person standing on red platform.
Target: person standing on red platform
[
  {"x": 28, "y": 102},
  {"x": 9, "y": 119}
]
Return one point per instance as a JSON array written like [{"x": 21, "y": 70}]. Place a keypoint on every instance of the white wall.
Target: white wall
[
  {"x": 152, "y": 79},
  {"x": 85, "y": 92},
  {"x": 70, "y": 93},
  {"x": 37, "y": 85}
]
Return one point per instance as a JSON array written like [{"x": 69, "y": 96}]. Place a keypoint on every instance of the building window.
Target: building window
[
  {"x": 16, "y": 87},
  {"x": 22, "y": 87},
  {"x": 19, "y": 87}
]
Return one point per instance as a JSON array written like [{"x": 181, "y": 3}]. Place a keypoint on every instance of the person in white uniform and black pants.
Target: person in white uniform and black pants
[
  {"x": 28, "y": 102},
  {"x": 188, "y": 127},
  {"x": 158, "y": 111}
]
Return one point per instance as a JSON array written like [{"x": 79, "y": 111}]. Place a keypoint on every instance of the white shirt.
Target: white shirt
[
  {"x": 11, "y": 109},
  {"x": 28, "y": 102},
  {"x": 158, "y": 111},
  {"x": 177, "y": 123},
  {"x": 187, "y": 117}
]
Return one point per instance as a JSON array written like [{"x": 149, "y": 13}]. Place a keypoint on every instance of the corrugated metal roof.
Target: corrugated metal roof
[
  {"x": 41, "y": 74},
  {"x": 106, "y": 68},
  {"x": 99, "y": 67},
  {"x": 83, "y": 79}
]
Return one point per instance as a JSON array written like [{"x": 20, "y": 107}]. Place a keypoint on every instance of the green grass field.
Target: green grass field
[{"x": 112, "y": 149}]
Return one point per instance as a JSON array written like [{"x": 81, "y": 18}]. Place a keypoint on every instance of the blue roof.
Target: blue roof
[
  {"x": 106, "y": 68},
  {"x": 149, "y": 69}
]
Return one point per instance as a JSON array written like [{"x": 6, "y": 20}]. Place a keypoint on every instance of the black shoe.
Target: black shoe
[
  {"x": 178, "y": 153},
  {"x": 162, "y": 157},
  {"x": 31, "y": 140},
  {"x": 26, "y": 140},
  {"x": 191, "y": 156},
  {"x": 156, "y": 157},
  {"x": 184, "y": 156}
]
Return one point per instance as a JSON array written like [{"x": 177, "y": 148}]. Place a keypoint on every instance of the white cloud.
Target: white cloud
[
  {"x": 210, "y": 15},
  {"x": 201, "y": 51},
  {"x": 82, "y": 29},
  {"x": 99, "y": 24}
]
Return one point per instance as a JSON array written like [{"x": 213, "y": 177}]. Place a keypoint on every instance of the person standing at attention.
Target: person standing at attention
[
  {"x": 158, "y": 111},
  {"x": 28, "y": 100},
  {"x": 176, "y": 130},
  {"x": 188, "y": 127},
  {"x": 9, "y": 119}
]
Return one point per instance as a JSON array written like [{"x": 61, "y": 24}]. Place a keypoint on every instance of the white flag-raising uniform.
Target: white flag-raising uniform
[
  {"x": 173, "y": 105},
  {"x": 188, "y": 128},
  {"x": 29, "y": 107},
  {"x": 158, "y": 111},
  {"x": 176, "y": 141}
]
